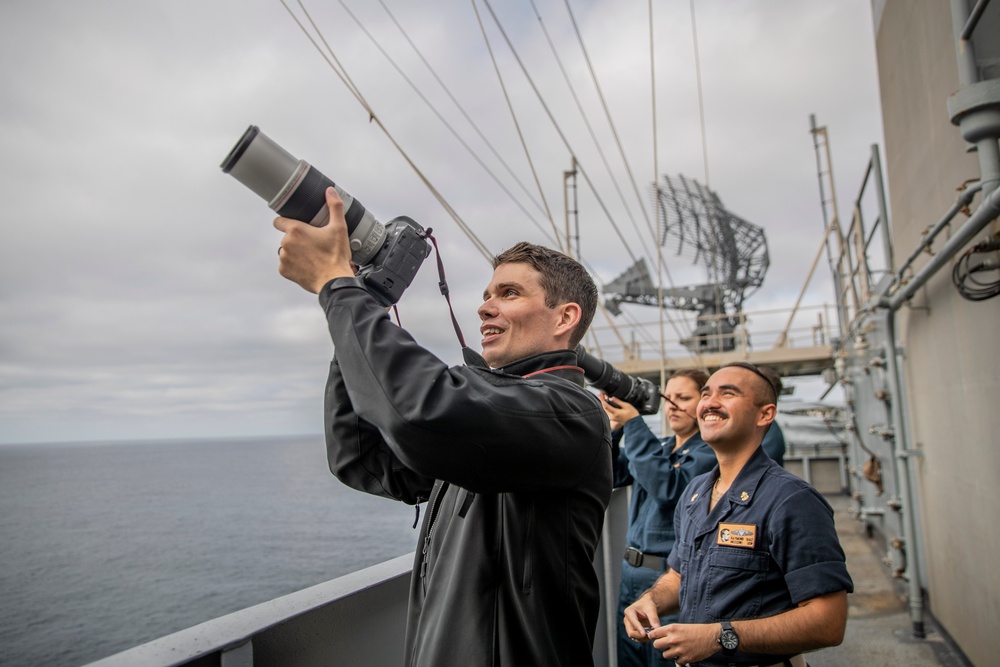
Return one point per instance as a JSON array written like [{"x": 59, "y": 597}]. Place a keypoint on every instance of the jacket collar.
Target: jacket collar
[{"x": 564, "y": 361}]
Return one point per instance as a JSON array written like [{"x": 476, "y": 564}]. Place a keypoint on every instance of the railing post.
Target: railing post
[{"x": 238, "y": 655}]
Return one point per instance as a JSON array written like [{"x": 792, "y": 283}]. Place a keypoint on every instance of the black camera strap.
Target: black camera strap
[{"x": 443, "y": 283}]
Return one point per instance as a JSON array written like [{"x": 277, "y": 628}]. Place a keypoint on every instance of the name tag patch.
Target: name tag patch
[{"x": 736, "y": 535}]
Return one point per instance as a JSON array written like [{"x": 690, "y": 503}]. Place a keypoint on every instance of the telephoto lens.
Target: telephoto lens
[
  {"x": 387, "y": 256},
  {"x": 642, "y": 394},
  {"x": 295, "y": 189}
]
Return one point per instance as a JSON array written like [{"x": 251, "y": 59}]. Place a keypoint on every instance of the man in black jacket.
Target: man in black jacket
[{"x": 511, "y": 452}]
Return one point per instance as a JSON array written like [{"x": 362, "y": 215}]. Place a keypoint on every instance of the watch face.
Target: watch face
[{"x": 729, "y": 640}]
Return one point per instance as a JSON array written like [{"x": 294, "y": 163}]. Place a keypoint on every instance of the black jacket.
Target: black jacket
[{"x": 517, "y": 472}]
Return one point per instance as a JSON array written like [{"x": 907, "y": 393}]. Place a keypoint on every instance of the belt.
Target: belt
[
  {"x": 795, "y": 661},
  {"x": 636, "y": 558}
]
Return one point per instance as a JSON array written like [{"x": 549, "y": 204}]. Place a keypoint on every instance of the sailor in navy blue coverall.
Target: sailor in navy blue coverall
[
  {"x": 658, "y": 471},
  {"x": 757, "y": 572}
]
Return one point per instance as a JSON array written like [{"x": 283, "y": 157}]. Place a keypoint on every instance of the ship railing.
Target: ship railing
[
  {"x": 775, "y": 329},
  {"x": 357, "y": 619}
]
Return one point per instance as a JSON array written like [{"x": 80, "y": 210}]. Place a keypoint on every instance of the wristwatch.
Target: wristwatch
[{"x": 728, "y": 638}]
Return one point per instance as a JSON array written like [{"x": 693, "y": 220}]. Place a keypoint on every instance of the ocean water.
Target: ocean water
[{"x": 106, "y": 546}]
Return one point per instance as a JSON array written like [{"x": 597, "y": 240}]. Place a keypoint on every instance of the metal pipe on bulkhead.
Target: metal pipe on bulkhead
[
  {"x": 961, "y": 202},
  {"x": 987, "y": 212},
  {"x": 901, "y": 461}
]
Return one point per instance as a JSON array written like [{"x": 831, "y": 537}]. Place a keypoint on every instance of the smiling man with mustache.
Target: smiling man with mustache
[{"x": 757, "y": 573}]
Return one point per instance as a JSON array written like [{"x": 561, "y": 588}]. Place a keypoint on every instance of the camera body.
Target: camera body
[
  {"x": 639, "y": 392},
  {"x": 394, "y": 266},
  {"x": 387, "y": 256}
]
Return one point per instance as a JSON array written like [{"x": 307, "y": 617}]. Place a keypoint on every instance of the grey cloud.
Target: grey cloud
[{"x": 138, "y": 284}]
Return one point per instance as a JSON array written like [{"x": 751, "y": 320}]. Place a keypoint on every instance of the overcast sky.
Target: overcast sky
[{"x": 139, "y": 296}]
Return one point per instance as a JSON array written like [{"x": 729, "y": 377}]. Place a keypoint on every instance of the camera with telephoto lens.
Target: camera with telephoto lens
[
  {"x": 638, "y": 392},
  {"x": 387, "y": 257}
]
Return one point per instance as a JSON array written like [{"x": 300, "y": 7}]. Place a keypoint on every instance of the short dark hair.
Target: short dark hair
[
  {"x": 774, "y": 378},
  {"x": 564, "y": 280},
  {"x": 765, "y": 391},
  {"x": 699, "y": 376}
]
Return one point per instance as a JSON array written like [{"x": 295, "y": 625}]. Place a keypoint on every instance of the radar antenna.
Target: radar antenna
[{"x": 691, "y": 217}]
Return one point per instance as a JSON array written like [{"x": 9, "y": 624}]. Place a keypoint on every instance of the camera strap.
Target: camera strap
[{"x": 443, "y": 283}]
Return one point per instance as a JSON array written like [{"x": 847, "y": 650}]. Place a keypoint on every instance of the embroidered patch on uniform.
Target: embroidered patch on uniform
[
  {"x": 744, "y": 496},
  {"x": 736, "y": 535},
  {"x": 684, "y": 452}
]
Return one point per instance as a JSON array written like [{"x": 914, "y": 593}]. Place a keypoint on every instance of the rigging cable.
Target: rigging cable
[
  {"x": 583, "y": 114},
  {"x": 560, "y": 133},
  {"x": 436, "y": 112},
  {"x": 345, "y": 78},
  {"x": 704, "y": 151},
  {"x": 662, "y": 269},
  {"x": 660, "y": 264},
  {"x": 517, "y": 125},
  {"x": 464, "y": 113},
  {"x": 611, "y": 124}
]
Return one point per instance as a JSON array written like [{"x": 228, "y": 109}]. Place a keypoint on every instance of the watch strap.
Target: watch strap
[{"x": 728, "y": 639}]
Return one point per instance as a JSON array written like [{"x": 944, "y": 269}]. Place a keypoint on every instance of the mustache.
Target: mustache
[{"x": 712, "y": 411}]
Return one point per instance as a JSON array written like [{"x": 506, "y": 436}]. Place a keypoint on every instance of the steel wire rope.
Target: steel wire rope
[
  {"x": 441, "y": 117},
  {"x": 607, "y": 114},
  {"x": 524, "y": 145},
  {"x": 562, "y": 136},
  {"x": 614, "y": 131},
  {"x": 558, "y": 130},
  {"x": 583, "y": 115},
  {"x": 662, "y": 268},
  {"x": 661, "y": 310},
  {"x": 543, "y": 207},
  {"x": 345, "y": 78},
  {"x": 461, "y": 109},
  {"x": 604, "y": 310},
  {"x": 566, "y": 143},
  {"x": 590, "y": 129},
  {"x": 334, "y": 64},
  {"x": 611, "y": 123},
  {"x": 713, "y": 275},
  {"x": 517, "y": 125},
  {"x": 661, "y": 265}
]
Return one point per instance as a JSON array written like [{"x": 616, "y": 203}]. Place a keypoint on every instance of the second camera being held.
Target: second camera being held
[{"x": 639, "y": 392}]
